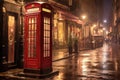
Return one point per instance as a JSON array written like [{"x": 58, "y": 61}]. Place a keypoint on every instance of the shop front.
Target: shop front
[
  {"x": 65, "y": 25},
  {"x": 9, "y": 35}
]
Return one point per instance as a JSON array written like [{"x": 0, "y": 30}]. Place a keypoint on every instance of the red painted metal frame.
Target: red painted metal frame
[
  {"x": 31, "y": 62},
  {"x": 40, "y": 62}
]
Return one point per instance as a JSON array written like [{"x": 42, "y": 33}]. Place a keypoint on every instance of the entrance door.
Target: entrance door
[
  {"x": 30, "y": 41},
  {"x": 11, "y": 39}
]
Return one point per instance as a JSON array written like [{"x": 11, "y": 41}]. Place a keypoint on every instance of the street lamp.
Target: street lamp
[
  {"x": 104, "y": 29},
  {"x": 83, "y": 17},
  {"x": 84, "y": 29},
  {"x": 94, "y": 25},
  {"x": 105, "y": 21}
]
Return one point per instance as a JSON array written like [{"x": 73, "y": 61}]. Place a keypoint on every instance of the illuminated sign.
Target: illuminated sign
[
  {"x": 32, "y": 10},
  {"x": 46, "y": 10}
]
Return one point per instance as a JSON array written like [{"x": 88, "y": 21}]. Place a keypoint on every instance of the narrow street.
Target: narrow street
[
  {"x": 99, "y": 64},
  {"x": 60, "y": 40}
]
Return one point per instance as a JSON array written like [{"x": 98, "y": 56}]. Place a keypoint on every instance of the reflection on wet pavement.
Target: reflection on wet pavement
[{"x": 100, "y": 64}]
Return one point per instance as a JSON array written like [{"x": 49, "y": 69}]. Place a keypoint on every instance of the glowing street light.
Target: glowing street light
[
  {"x": 105, "y": 21},
  {"x": 107, "y": 32},
  {"x": 104, "y": 29},
  {"x": 94, "y": 25},
  {"x": 84, "y": 16}
]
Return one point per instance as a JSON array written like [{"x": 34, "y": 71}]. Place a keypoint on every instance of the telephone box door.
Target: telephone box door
[
  {"x": 47, "y": 57},
  {"x": 31, "y": 39}
]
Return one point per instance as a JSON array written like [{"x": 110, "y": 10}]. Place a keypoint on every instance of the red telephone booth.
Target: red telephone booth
[{"x": 38, "y": 38}]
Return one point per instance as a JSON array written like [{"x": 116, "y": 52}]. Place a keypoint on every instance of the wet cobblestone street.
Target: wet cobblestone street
[{"x": 98, "y": 64}]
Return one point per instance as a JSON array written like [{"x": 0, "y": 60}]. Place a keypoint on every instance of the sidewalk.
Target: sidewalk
[
  {"x": 57, "y": 55},
  {"x": 60, "y": 54},
  {"x": 12, "y": 73}
]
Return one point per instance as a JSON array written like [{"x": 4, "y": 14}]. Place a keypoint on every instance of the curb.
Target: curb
[
  {"x": 69, "y": 55},
  {"x": 64, "y": 58}
]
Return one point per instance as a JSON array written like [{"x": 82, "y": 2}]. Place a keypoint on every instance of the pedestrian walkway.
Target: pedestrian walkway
[
  {"x": 57, "y": 55},
  {"x": 98, "y": 64},
  {"x": 60, "y": 54}
]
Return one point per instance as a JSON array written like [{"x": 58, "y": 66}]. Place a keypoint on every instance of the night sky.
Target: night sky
[{"x": 107, "y": 10}]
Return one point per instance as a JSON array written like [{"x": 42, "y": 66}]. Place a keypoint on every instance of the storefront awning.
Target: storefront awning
[
  {"x": 65, "y": 14},
  {"x": 70, "y": 17}
]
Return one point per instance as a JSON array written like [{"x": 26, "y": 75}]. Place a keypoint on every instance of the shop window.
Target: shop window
[
  {"x": 61, "y": 32},
  {"x": 11, "y": 37}
]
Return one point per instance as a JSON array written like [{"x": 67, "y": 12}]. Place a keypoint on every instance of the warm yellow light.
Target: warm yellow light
[
  {"x": 101, "y": 31},
  {"x": 84, "y": 16},
  {"x": 107, "y": 32},
  {"x": 104, "y": 29},
  {"x": 33, "y": 10},
  {"x": 94, "y": 25},
  {"x": 46, "y": 10}
]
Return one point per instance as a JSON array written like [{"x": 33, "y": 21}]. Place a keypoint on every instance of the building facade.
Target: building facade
[
  {"x": 116, "y": 24},
  {"x": 93, "y": 12},
  {"x": 65, "y": 24},
  {"x": 10, "y": 34},
  {"x": 67, "y": 27}
]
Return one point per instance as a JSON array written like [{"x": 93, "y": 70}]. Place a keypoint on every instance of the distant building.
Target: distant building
[{"x": 116, "y": 20}]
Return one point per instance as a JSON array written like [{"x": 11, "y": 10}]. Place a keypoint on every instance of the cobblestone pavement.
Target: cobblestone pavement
[{"x": 99, "y": 64}]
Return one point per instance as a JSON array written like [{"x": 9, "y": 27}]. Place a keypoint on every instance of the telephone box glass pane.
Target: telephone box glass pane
[
  {"x": 46, "y": 37},
  {"x": 32, "y": 37}
]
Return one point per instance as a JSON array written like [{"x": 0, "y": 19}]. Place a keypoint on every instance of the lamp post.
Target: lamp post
[
  {"x": 105, "y": 21},
  {"x": 21, "y": 32},
  {"x": 84, "y": 28},
  {"x": 105, "y": 27}
]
